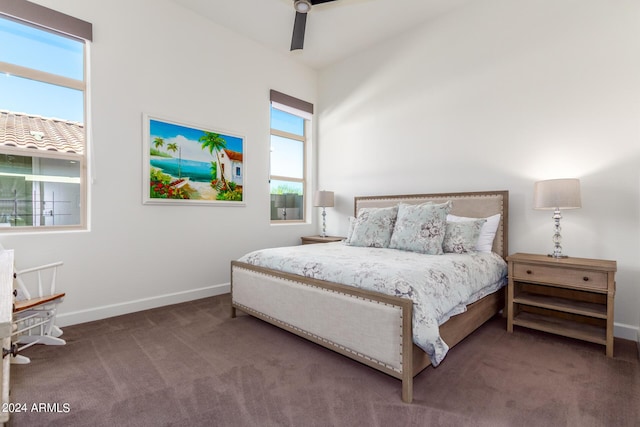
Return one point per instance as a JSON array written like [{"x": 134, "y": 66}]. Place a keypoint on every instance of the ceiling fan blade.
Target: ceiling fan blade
[
  {"x": 297, "y": 41},
  {"x": 314, "y": 2}
]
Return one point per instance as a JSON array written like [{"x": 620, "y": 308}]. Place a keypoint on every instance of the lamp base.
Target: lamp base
[
  {"x": 324, "y": 223},
  {"x": 557, "y": 238}
]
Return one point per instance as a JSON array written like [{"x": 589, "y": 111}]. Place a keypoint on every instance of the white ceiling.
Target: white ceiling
[{"x": 334, "y": 30}]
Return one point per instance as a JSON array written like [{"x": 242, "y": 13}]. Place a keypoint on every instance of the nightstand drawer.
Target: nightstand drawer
[{"x": 583, "y": 279}]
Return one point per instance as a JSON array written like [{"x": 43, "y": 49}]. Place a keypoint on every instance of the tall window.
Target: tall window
[
  {"x": 290, "y": 124},
  {"x": 43, "y": 155}
]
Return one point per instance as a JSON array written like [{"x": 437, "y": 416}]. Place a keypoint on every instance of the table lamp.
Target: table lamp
[
  {"x": 557, "y": 194},
  {"x": 323, "y": 199}
]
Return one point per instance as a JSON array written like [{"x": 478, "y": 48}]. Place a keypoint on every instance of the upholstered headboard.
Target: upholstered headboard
[{"x": 480, "y": 204}]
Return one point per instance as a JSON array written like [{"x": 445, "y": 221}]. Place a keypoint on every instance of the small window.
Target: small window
[
  {"x": 43, "y": 155},
  {"x": 288, "y": 175}
]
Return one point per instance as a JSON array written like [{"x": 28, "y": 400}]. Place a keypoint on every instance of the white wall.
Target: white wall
[
  {"x": 498, "y": 95},
  {"x": 156, "y": 57}
]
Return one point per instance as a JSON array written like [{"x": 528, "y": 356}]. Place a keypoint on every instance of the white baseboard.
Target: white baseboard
[
  {"x": 627, "y": 332},
  {"x": 105, "y": 311}
]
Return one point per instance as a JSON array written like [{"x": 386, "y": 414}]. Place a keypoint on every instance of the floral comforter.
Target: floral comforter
[{"x": 440, "y": 285}]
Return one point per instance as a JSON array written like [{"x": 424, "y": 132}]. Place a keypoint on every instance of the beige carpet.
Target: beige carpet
[{"x": 191, "y": 365}]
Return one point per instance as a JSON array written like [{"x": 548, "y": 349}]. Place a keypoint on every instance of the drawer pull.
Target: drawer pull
[
  {"x": 585, "y": 278},
  {"x": 529, "y": 272}
]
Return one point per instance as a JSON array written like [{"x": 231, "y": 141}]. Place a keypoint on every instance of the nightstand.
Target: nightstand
[
  {"x": 572, "y": 297},
  {"x": 306, "y": 240}
]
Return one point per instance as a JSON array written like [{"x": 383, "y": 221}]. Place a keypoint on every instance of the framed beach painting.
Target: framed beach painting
[{"x": 189, "y": 164}]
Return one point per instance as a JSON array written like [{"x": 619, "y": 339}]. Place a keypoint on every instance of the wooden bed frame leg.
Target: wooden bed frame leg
[{"x": 407, "y": 390}]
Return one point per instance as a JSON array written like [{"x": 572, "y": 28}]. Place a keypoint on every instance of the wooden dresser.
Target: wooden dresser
[{"x": 570, "y": 296}]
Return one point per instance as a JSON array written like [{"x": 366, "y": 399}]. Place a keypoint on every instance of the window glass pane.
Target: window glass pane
[
  {"x": 43, "y": 99},
  {"x": 39, "y": 191},
  {"x": 287, "y": 157},
  {"x": 287, "y": 122},
  {"x": 287, "y": 200},
  {"x": 41, "y": 50}
]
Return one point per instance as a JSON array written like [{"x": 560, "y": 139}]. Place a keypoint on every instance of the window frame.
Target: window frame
[
  {"x": 51, "y": 21},
  {"x": 304, "y": 110}
]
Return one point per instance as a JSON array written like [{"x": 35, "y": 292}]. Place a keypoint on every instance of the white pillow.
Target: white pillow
[{"x": 487, "y": 233}]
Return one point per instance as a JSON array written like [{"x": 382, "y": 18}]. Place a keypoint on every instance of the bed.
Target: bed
[{"x": 377, "y": 328}]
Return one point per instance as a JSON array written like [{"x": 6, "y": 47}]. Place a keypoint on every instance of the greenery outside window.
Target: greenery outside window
[
  {"x": 288, "y": 175},
  {"x": 43, "y": 149}
]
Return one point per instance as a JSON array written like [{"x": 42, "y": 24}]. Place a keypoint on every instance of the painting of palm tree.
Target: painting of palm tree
[
  {"x": 214, "y": 142},
  {"x": 192, "y": 164},
  {"x": 158, "y": 142}
]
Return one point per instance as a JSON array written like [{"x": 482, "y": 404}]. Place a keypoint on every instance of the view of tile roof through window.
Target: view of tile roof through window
[{"x": 36, "y": 132}]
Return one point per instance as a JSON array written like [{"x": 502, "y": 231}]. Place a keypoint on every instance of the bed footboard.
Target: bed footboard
[{"x": 371, "y": 328}]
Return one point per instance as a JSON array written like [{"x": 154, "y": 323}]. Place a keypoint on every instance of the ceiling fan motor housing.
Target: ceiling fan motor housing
[{"x": 302, "y": 6}]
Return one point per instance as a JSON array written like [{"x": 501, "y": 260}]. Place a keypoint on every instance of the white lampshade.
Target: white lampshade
[
  {"x": 323, "y": 199},
  {"x": 557, "y": 194}
]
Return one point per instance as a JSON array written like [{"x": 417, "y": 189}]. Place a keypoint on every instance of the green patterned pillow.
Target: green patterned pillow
[
  {"x": 373, "y": 227},
  {"x": 462, "y": 237},
  {"x": 420, "y": 228}
]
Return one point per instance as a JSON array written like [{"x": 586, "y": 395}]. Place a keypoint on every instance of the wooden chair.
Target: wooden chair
[{"x": 34, "y": 316}]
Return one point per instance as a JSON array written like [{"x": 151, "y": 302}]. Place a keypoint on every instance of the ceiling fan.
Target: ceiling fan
[{"x": 302, "y": 7}]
